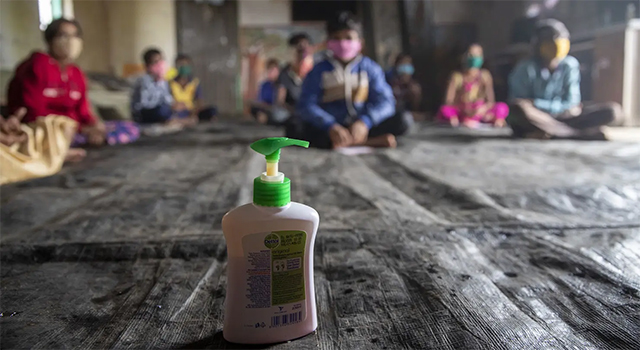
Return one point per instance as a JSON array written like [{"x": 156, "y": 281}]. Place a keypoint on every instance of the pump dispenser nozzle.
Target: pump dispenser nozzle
[
  {"x": 272, "y": 189},
  {"x": 270, "y": 148}
]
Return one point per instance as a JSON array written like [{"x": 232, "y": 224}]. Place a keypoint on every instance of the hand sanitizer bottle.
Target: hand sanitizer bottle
[{"x": 270, "y": 292}]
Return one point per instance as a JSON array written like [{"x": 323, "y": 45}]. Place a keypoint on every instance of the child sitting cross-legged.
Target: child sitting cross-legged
[{"x": 345, "y": 99}]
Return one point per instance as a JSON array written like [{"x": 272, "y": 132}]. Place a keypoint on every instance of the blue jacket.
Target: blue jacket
[
  {"x": 330, "y": 95},
  {"x": 554, "y": 92}
]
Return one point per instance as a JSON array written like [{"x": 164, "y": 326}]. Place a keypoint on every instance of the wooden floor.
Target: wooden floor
[{"x": 455, "y": 240}]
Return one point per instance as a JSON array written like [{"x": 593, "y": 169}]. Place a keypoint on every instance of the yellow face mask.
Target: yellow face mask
[{"x": 559, "y": 48}]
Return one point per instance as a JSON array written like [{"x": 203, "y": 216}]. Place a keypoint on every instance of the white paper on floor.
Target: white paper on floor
[{"x": 356, "y": 150}]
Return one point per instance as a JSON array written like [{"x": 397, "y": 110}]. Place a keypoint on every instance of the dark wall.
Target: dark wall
[
  {"x": 417, "y": 27},
  {"x": 320, "y": 10},
  {"x": 387, "y": 33},
  {"x": 209, "y": 34}
]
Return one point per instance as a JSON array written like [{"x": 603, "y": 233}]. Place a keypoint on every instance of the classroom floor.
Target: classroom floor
[{"x": 455, "y": 240}]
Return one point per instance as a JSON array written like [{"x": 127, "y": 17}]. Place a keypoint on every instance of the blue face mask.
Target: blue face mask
[
  {"x": 405, "y": 69},
  {"x": 475, "y": 61}
]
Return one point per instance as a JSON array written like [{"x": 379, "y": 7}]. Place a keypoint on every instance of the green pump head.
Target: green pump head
[
  {"x": 272, "y": 189},
  {"x": 270, "y": 147}
]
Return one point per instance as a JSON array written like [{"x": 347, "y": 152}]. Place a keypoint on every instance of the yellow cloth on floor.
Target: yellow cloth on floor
[{"x": 42, "y": 154}]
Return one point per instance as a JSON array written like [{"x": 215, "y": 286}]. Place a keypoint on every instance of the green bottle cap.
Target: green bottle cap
[{"x": 272, "y": 189}]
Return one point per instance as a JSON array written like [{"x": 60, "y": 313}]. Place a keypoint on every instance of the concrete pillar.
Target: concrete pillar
[
  {"x": 67, "y": 9},
  {"x": 95, "y": 55},
  {"x": 387, "y": 31},
  {"x": 19, "y": 32}
]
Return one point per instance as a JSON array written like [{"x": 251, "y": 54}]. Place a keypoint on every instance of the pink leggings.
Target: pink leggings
[{"x": 500, "y": 110}]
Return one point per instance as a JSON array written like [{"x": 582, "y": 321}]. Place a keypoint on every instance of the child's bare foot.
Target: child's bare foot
[
  {"x": 75, "y": 155},
  {"x": 471, "y": 124},
  {"x": 189, "y": 122},
  {"x": 499, "y": 123},
  {"x": 262, "y": 118},
  {"x": 173, "y": 122},
  {"x": 382, "y": 141}
]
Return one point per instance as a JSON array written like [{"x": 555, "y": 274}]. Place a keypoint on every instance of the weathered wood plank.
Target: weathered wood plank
[
  {"x": 554, "y": 183},
  {"x": 192, "y": 204},
  {"x": 456, "y": 240},
  {"x": 59, "y": 305}
]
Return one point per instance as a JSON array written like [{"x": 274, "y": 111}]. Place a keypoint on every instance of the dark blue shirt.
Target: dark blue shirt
[{"x": 267, "y": 92}]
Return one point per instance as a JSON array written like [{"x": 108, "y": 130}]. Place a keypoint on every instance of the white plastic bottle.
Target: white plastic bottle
[{"x": 270, "y": 292}]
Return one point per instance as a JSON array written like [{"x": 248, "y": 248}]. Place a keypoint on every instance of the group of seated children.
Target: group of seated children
[
  {"x": 49, "y": 117},
  {"x": 49, "y": 84},
  {"x": 544, "y": 93},
  {"x": 280, "y": 92},
  {"x": 173, "y": 97},
  {"x": 345, "y": 99}
]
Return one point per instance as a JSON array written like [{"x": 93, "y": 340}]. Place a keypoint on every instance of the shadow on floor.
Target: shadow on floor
[
  {"x": 217, "y": 341},
  {"x": 434, "y": 132}
]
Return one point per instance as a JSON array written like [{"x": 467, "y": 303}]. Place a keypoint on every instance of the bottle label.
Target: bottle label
[{"x": 275, "y": 286}]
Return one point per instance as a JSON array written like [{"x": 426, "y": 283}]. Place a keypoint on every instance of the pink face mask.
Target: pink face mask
[
  {"x": 159, "y": 69},
  {"x": 273, "y": 73},
  {"x": 344, "y": 49}
]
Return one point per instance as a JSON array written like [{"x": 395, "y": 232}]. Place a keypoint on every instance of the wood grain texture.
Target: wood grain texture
[{"x": 455, "y": 240}]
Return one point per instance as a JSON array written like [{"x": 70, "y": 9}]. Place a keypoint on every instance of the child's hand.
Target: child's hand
[
  {"x": 359, "y": 131},
  {"x": 11, "y": 125},
  {"x": 95, "y": 138},
  {"x": 340, "y": 136},
  {"x": 10, "y": 130},
  {"x": 96, "y": 133}
]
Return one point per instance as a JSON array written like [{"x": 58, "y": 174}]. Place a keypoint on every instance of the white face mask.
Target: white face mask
[{"x": 65, "y": 47}]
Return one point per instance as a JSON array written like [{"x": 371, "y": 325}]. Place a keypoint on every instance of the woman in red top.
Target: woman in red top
[{"x": 50, "y": 84}]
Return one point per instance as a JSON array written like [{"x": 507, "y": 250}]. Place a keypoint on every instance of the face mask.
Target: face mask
[
  {"x": 67, "y": 48},
  {"x": 559, "y": 48},
  {"x": 184, "y": 71},
  {"x": 273, "y": 73},
  {"x": 159, "y": 69},
  {"x": 344, "y": 50},
  {"x": 405, "y": 69},
  {"x": 475, "y": 61},
  {"x": 305, "y": 66},
  {"x": 564, "y": 45}
]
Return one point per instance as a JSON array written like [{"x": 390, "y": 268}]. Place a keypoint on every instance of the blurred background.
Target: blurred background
[{"x": 230, "y": 41}]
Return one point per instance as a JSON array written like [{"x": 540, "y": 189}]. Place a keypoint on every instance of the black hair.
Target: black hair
[
  {"x": 296, "y": 38},
  {"x": 147, "y": 56},
  {"x": 400, "y": 57},
  {"x": 273, "y": 62},
  {"x": 53, "y": 29},
  {"x": 551, "y": 29},
  {"x": 183, "y": 57},
  {"x": 343, "y": 21},
  {"x": 474, "y": 44}
]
